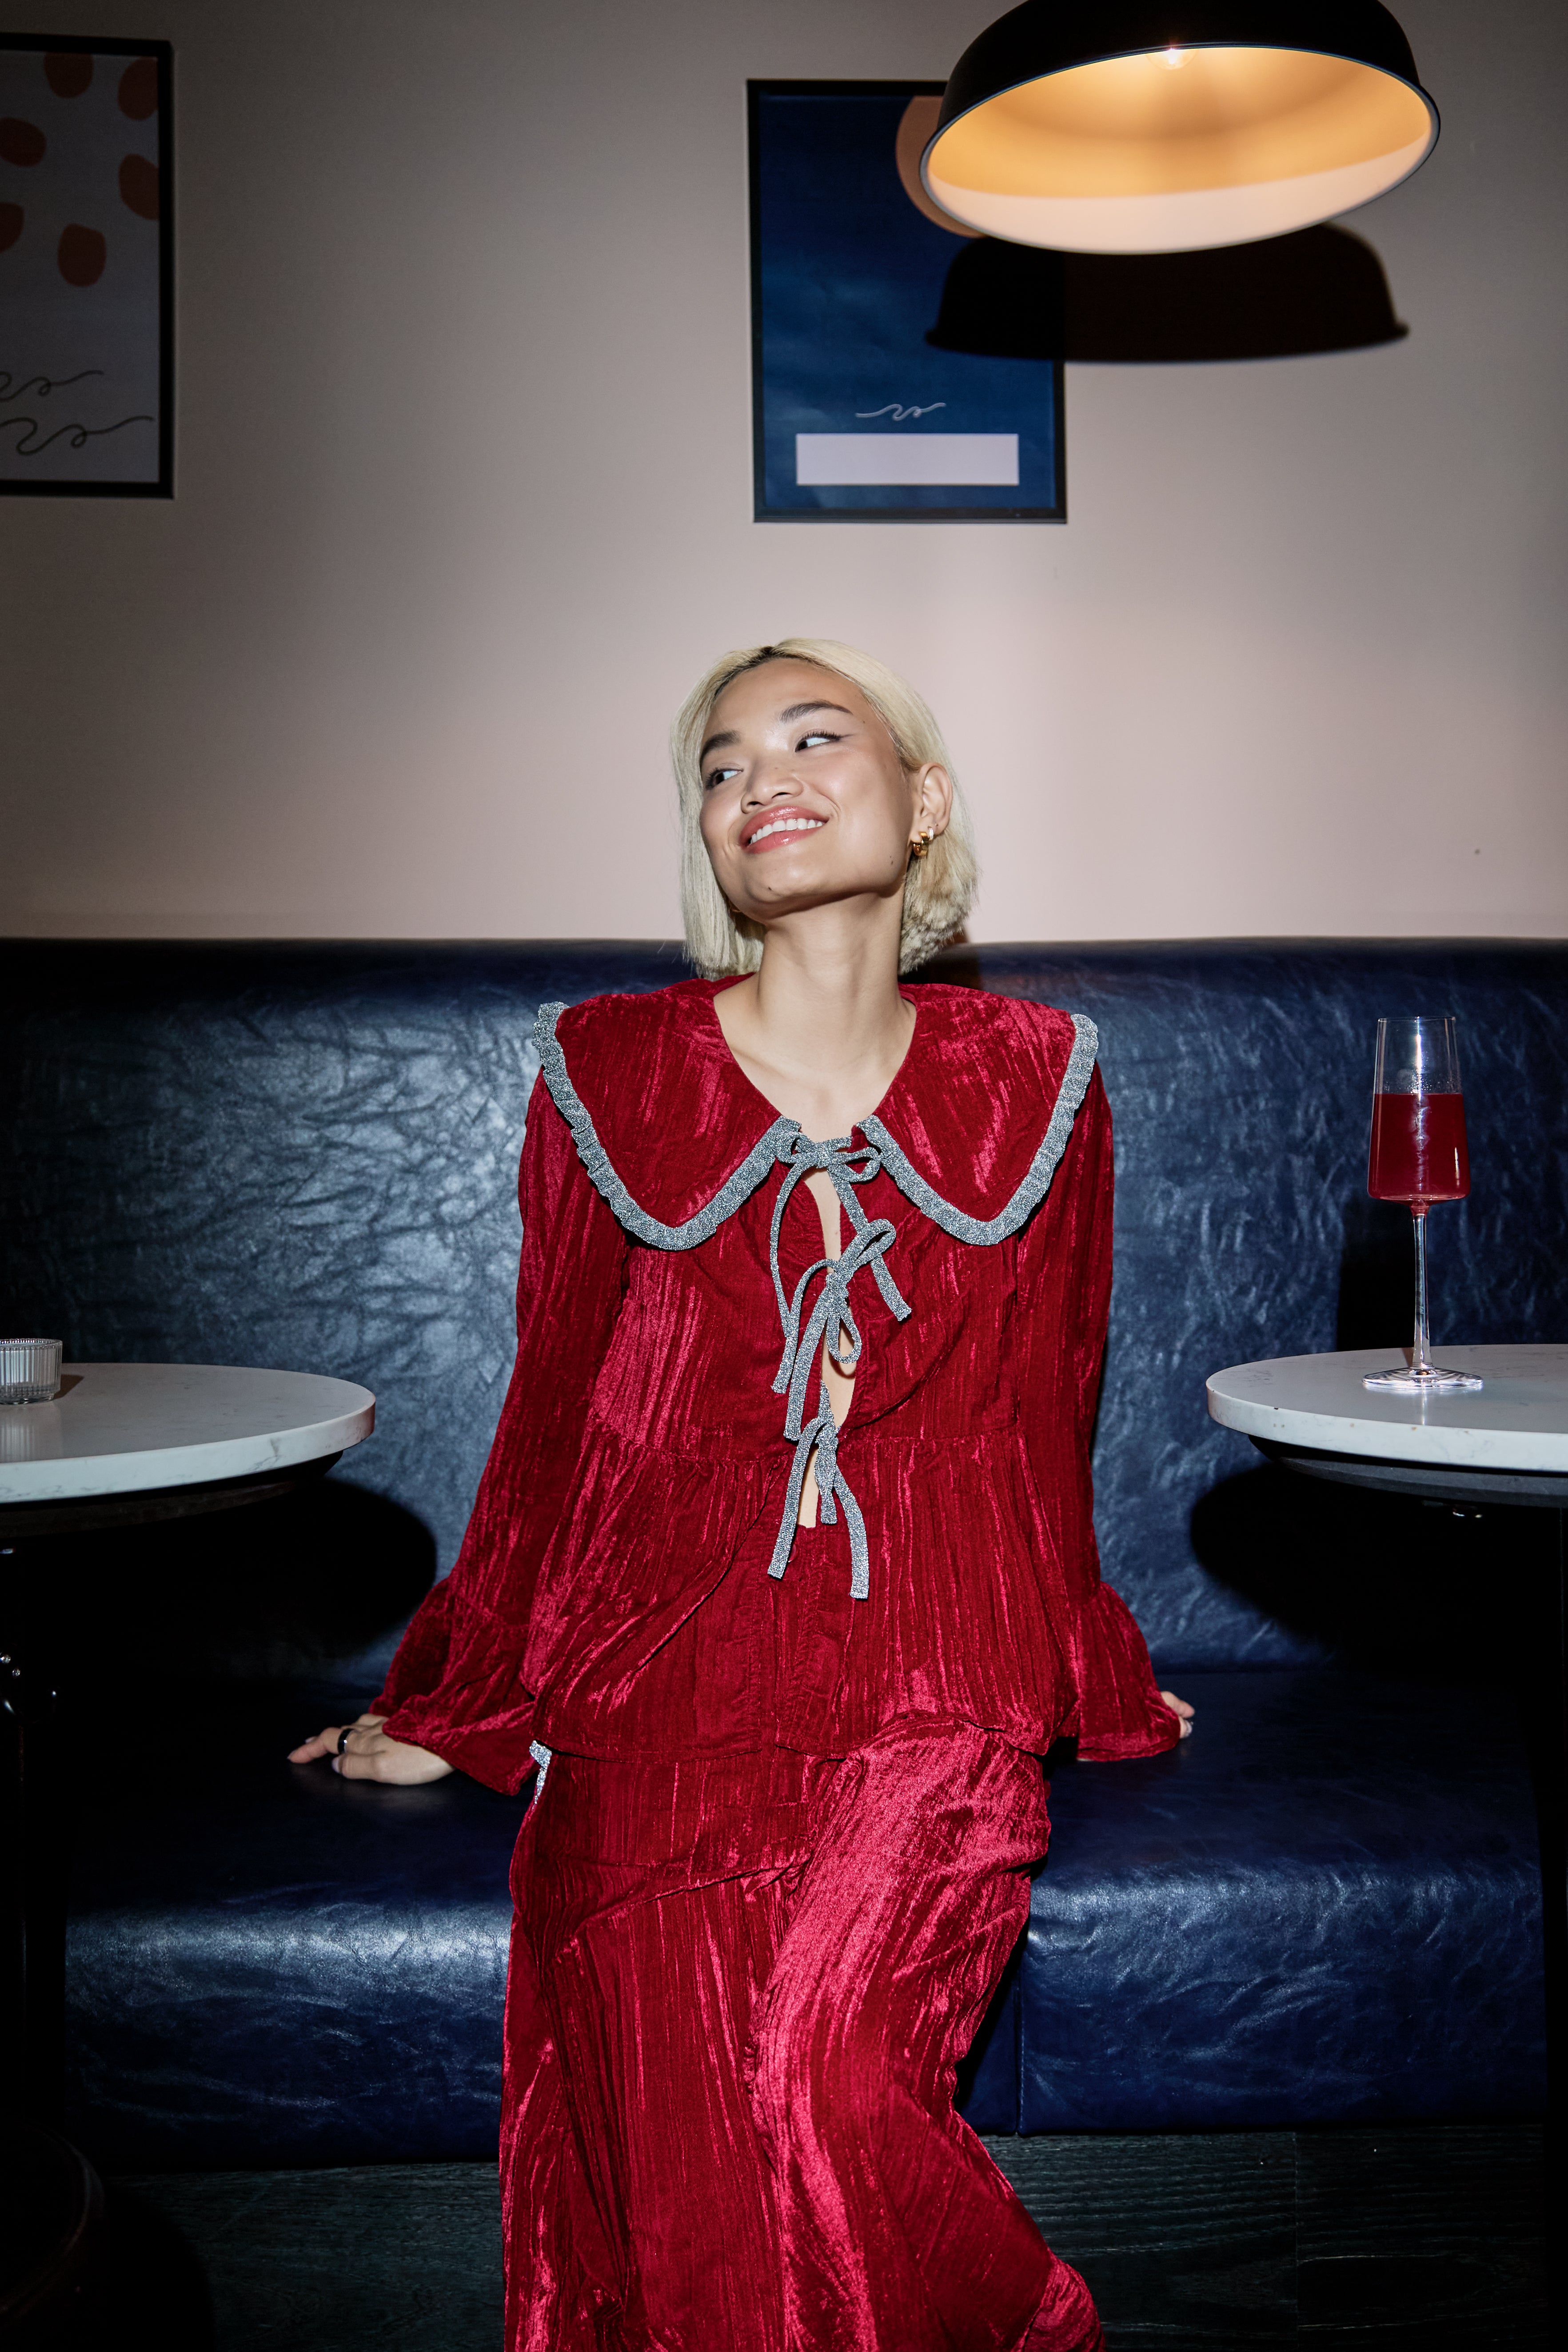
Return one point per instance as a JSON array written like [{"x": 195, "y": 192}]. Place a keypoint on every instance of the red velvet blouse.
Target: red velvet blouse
[{"x": 632, "y": 1582}]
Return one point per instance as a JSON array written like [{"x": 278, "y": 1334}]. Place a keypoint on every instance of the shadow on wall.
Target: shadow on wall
[
  {"x": 1321, "y": 289},
  {"x": 305, "y": 1584},
  {"x": 1387, "y": 1581},
  {"x": 1377, "y": 1276}
]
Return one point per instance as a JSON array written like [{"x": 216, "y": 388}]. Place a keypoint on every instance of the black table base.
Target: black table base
[
  {"x": 32, "y": 1799},
  {"x": 1467, "y": 1490},
  {"x": 51, "y": 2212},
  {"x": 51, "y": 2202}
]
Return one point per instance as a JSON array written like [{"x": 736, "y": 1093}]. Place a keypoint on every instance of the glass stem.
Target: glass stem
[{"x": 1420, "y": 1361}]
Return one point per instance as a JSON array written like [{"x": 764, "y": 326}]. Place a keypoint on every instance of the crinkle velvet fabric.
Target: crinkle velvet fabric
[
  {"x": 778, "y": 1858},
  {"x": 599, "y": 1605},
  {"x": 738, "y": 1989}
]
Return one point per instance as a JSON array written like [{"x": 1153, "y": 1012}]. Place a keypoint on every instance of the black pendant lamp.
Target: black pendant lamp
[{"x": 1160, "y": 126}]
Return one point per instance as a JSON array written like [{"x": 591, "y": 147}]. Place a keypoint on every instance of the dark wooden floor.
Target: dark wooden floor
[{"x": 1416, "y": 2240}]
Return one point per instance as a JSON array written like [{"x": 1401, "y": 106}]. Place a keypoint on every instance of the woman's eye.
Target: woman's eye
[
  {"x": 719, "y": 776},
  {"x": 818, "y": 735}
]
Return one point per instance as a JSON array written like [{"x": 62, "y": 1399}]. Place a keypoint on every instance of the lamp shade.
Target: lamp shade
[{"x": 1160, "y": 126}]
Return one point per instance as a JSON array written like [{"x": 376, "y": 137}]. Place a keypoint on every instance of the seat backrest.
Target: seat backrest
[{"x": 305, "y": 1156}]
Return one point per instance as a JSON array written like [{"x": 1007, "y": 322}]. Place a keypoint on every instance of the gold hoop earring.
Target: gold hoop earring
[{"x": 923, "y": 844}]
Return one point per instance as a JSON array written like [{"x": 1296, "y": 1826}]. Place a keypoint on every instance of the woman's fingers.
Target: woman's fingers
[
  {"x": 369, "y": 1755},
  {"x": 1179, "y": 1707},
  {"x": 325, "y": 1743},
  {"x": 360, "y": 1750},
  {"x": 361, "y": 1753}
]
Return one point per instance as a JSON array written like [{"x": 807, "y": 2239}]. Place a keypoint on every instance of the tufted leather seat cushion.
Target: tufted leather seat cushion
[
  {"x": 268, "y": 1965},
  {"x": 1325, "y": 1909}
]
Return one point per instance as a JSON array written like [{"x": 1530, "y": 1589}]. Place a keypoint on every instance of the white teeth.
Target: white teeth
[{"x": 787, "y": 825}]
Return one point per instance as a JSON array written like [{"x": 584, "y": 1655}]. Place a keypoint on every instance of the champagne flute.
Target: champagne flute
[{"x": 1418, "y": 1155}]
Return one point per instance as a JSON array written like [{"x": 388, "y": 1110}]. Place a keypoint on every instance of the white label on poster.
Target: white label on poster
[{"x": 906, "y": 460}]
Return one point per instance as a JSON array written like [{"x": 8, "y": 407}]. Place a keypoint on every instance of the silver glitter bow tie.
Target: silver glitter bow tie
[{"x": 828, "y": 1323}]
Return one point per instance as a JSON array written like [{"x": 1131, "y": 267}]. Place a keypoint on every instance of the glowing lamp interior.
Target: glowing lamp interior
[{"x": 1174, "y": 148}]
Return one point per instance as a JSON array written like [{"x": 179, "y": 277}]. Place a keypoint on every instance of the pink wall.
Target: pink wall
[{"x": 464, "y": 498}]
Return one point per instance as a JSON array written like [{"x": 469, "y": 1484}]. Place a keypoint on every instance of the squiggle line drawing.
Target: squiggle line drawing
[
  {"x": 899, "y": 416},
  {"x": 10, "y": 389},
  {"x": 80, "y": 434}
]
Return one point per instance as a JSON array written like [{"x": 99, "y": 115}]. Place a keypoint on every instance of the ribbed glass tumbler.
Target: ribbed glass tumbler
[{"x": 29, "y": 1370}]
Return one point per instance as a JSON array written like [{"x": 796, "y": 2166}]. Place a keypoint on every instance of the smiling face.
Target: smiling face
[{"x": 805, "y": 799}]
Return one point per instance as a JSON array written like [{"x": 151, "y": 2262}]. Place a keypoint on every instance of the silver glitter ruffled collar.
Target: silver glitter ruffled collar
[{"x": 829, "y": 1318}]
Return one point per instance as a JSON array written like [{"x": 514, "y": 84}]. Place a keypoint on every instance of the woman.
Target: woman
[{"x": 785, "y": 1635}]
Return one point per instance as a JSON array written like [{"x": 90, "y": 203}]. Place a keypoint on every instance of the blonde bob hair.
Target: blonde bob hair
[{"x": 938, "y": 887}]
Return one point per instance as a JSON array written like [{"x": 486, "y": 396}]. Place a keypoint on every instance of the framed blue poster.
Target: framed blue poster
[{"x": 903, "y": 370}]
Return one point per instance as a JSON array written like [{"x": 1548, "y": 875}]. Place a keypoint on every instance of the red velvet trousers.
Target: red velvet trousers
[{"x": 740, "y": 1987}]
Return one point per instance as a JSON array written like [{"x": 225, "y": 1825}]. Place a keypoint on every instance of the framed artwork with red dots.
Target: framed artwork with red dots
[{"x": 85, "y": 268}]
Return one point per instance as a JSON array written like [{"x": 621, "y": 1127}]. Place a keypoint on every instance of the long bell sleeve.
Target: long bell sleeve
[
  {"x": 456, "y": 1684},
  {"x": 1065, "y": 1298}
]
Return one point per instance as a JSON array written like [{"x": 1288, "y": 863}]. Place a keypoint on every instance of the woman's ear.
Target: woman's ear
[{"x": 933, "y": 797}]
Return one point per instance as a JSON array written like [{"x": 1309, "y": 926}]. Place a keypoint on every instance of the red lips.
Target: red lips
[{"x": 789, "y": 831}]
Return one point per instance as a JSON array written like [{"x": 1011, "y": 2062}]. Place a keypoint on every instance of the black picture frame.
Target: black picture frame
[
  {"x": 910, "y": 254},
  {"x": 154, "y": 341}
]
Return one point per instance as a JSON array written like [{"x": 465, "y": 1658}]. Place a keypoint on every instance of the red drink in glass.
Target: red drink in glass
[
  {"x": 1418, "y": 1156},
  {"x": 1418, "y": 1151}
]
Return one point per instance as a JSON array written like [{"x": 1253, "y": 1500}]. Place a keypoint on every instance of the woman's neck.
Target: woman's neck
[{"x": 821, "y": 1029}]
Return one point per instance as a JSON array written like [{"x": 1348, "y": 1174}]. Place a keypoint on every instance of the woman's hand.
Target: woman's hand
[
  {"x": 1179, "y": 1707},
  {"x": 367, "y": 1754}
]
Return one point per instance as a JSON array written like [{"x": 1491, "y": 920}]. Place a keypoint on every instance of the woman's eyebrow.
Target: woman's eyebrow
[{"x": 796, "y": 710}]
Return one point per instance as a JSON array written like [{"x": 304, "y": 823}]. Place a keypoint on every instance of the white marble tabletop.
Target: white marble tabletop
[
  {"x": 122, "y": 1429},
  {"x": 1518, "y": 1421}
]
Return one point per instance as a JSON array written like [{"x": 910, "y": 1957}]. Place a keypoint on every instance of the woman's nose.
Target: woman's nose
[{"x": 771, "y": 783}]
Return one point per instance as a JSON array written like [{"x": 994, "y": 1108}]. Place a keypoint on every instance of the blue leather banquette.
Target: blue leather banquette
[{"x": 1324, "y": 1907}]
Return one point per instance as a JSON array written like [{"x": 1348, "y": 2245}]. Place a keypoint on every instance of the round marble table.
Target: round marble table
[
  {"x": 158, "y": 1441},
  {"x": 120, "y": 1443},
  {"x": 1504, "y": 1443}
]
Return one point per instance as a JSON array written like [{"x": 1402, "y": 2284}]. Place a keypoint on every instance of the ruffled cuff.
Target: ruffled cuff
[
  {"x": 1120, "y": 1712},
  {"x": 472, "y": 1710},
  {"x": 489, "y": 1742},
  {"x": 421, "y": 1657}
]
